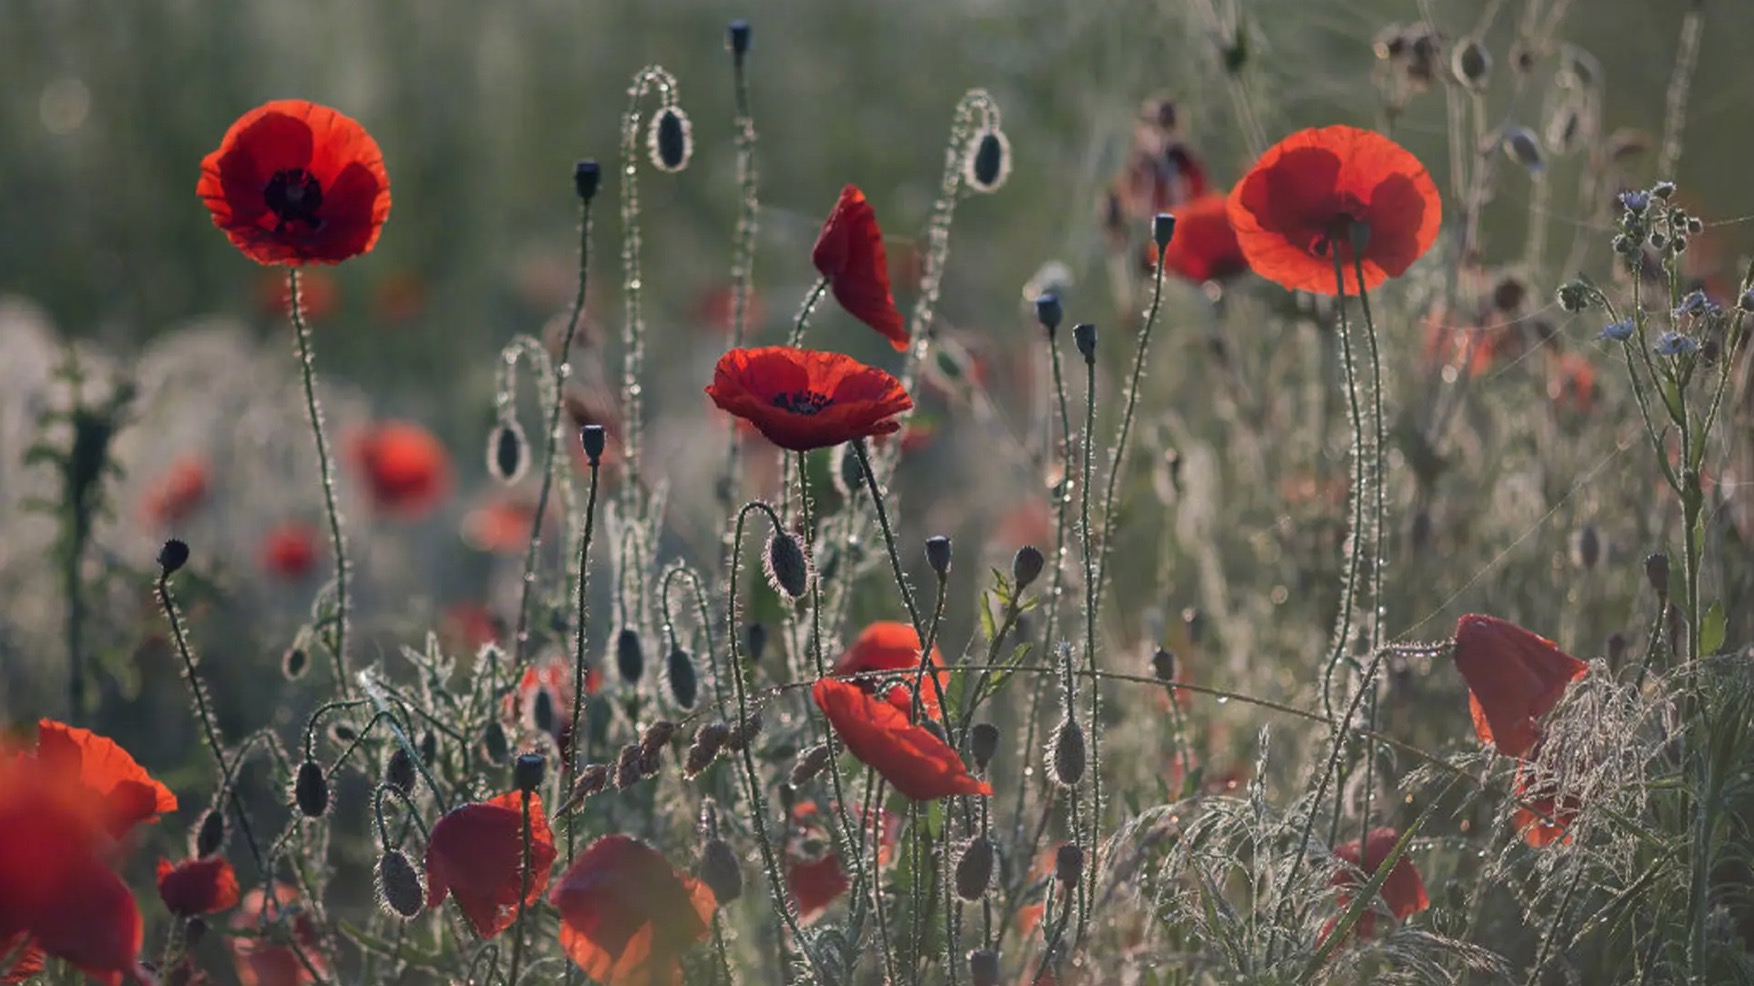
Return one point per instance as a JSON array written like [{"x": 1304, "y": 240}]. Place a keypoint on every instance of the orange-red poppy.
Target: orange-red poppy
[
  {"x": 627, "y": 915},
  {"x": 178, "y": 492},
  {"x": 296, "y": 183},
  {"x": 1548, "y": 815},
  {"x": 1514, "y": 677},
  {"x": 1204, "y": 247},
  {"x": 849, "y": 252},
  {"x": 500, "y": 526},
  {"x": 814, "y": 874},
  {"x": 289, "y": 551},
  {"x": 1321, "y": 193},
  {"x": 911, "y": 758},
  {"x": 260, "y": 960},
  {"x": 888, "y": 645},
  {"x": 197, "y": 886},
  {"x": 804, "y": 399},
  {"x": 476, "y": 854},
  {"x": 407, "y": 470},
  {"x": 1403, "y": 891},
  {"x": 126, "y": 792}
]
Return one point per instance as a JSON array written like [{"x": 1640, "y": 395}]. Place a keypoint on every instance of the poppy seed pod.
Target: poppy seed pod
[
  {"x": 1471, "y": 63},
  {"x": 494, "y": 744},
  {"x": 1084, "y": 334},
  {"x": 310, "y": 790},
  {"x": 1048, "y": 311},
  {"x": 672, "y": 140},
  {"x": 1162, "y": 230},
  {"x": 587, "y": 176},
  {"x": 1066, "y": 756},
  {"x": 988, "y": 163},
  {"x": 938, "y": 554},
  {"x": 719, "y": 871},
  {"x": 174, "y": 555},
  {"x": 399, "y": 770},
  {"x": 528, "y": 771},
  {"x": 505, "y": 452},
  {"x": 1656, "y": 571},
  {"x": 810, "y": 763},
  {"x": 709, "y": 739},
  {"x": 983, "y": 967},
  {"x": 398, "y": 885},
  {"x": 983, "y": 742},
  {"x": 294, "y": 663},
  {"x": 593, "y": 439},
  {"x": 1026, "y": 565},
  {"x": 1068, "y": 863},
  {"x": 975, "y": 869},
  {"x": 210, "y": 837},
  {"x": 684, "y": 682},
  {"x": 630, "y": 655},
  {"x": 737, "y": 39},
  {"x": 788, "y": 571}
]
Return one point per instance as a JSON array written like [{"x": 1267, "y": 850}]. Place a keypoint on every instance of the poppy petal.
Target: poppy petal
[
  {"x": 849, "y": 252},
  {"x": 1403, "y": 890},
  {"x": 1514, "y": 677},
  {"x": 197, "y": 886},
  {"x": 100, "y": 763},
  {"x": 476, "y": 855},
  {"x": 912, "y": 759},
  {"x": 803, "y": 399},
  {"x": 890, "y": 645},
  {"x": 626, "y": 915}
]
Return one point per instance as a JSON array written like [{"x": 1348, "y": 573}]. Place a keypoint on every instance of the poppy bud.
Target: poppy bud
[
  {"x": 399, "y": 770},
  {"x": 989, "y": 161},
  {"x": 1523, "y": 147},
  {"x": 708, "y": 740},
  {"x": 1068, "y": 863},
  {"x": 630, "y": 656},
  {"x": 1616, "y": 648},
  {"x": 849, "y": 476},
  {"x": 505, "y": 452},
  {"x": 542, "y": 711},
  {"x": 592, "y": 438},
  {"x": 671, "y": 140},
  {"x": 1663, "y": 190},
  {"x": 586, "y": 176},
  {"x": 719, "y": 871},
  {"x": 746, "y": 731},
  {"x": 1656, "y": 571},
  {"x": 1163, "y": 664},
  {"x": 527, "y": 772},
  {"x": 211, "y": 835},
  {"x": 788, "y": 571},
  {"x": 788, "y": 796},
  {"x": 494, "y": 743},
  {"x": 341, "y": 732},
  {"x": 983, "y": 967},
  {"x": 983, "y": 742},
  {"x": 684, "y": 683},
  {"x": 1471, "y": 63},
  {"x": 755, "y": 641},
  {"x": 428, "y": 748},
  {"x": 1026, "y": 565},
  {"x": 628, "y": 771},
  {"x": 398, "y": 885},
  {"x": 1162, "y": 230},
  {"x": 810, "y": 763},
  {"x": 1574, "y": 296},
  {"x": 294, "y": 663},
  {"x": 938, "y": 554},
  {"x": 1084, "y": 334},
  {"x": 174, "y": 555},
  {"x": 1586, "y": 547},
  {"x": 1048, "y": 311},
  {"x": 737, "y": 38},
  {"x": 591, "y": 780},
  {"x": 1066, "y": 756},
  {"x": 975, "y": 869},
  {"x": 311, "y": 790}
]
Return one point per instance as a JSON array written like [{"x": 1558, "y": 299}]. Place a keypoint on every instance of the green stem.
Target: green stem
[
  {"x": 907, "y": 592},
  {"x": 523, "y": 895},
  {"x": 1091, "y": 578},
  {"x": 326, "y": 469}
]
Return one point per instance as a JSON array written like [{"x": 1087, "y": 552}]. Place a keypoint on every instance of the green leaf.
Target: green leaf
[
  {"x": 989, "y": 625},
  {"x": 1712, "y": 628}
]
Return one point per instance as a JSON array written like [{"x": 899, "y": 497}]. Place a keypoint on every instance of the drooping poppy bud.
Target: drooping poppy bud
[
  {"x": 210, "y": 837},
  {"x": 1026, "y": 565},
  {"x": 506, "y": 458},
  {"x": 310, "y": 790},
  {"x": 788, "y": 571},
  {"x": 1066, "y": 761},
  {"x": 671, "y": 139},
  {"x": 983, "y": 742},
  {"x": 399, "y": 770},
  {"x": 974, "y": 871},
  {"x": 719, "y": 870},
  {"x": 684, "y": 681},
  {"x": 630, "y": 655},
  {"x": 399, "y": 885}
]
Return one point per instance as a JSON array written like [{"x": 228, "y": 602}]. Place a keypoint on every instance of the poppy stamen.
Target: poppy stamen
[
  {"x": 294, "y": 195},
  {"x": 805, "y": 402}
]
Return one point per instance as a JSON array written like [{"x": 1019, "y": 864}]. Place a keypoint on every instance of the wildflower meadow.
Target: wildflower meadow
[{"x": 986, "y": 492}]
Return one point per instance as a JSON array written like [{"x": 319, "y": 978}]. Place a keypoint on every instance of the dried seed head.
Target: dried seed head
[
  {"x": 591, "y": 780},
  {"x": 593, "y": 439},
  {"x": 1656, "y": 571},
  {"x": 630, "y": 655},
  {"x": 988, "y": 162},
  {"x": 788, "y": 571},
  {"x": 174, "y": 555},
  {"x": 1471, "y": 63},
  {"x": 938, "y": 554},
  {"x": 810, "y": 763},
  {"x": 505, "y": 452},
  {"x": 745, "y": 732},
  {"x": 708, "y": 740},
  {"x": 294, "y": 663},
  {"x": 657, "y": 736},
  {"x": 1068, "y": 863},
  {"x": 527, "y": 772},
  {"x": 719, "y": 870},
  {"x": 1026, "y": 566},
  {"x": 650, "y": 762},
  {"x": 1163, "y": 664},
  {"x": 399, "y": 770},
  {"x": 210, "y": 837},
  {"x": 684, "y": 682},
  {"x": 755, "y": 641},
  {"x": 975, "y": 869},
  {"x": 983, "y": 967},
  {"x": 587, "y": 176},
  {"x": 494, "y": 744},
  {"x": 671, "y": 139},
  {"x": 983, "y": 742},
  {"x": 1066, "y": 755},
  {"x": 628, "y": 770},
  {"x": 310, "y": 790},
  {"x": 1084, "y": 334},
  {"x": 399, "y": 885}
]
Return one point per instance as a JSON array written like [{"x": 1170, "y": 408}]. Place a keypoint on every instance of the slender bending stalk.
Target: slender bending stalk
[
  {"x": 326, "y": 469},
  {"x": 1087, "y": 886},
  {"x": 743, "y": 248},
  {"x": 1119, "y": 455},
  {"x": 907, "y": 592},
  {"x": 1378, "y": 527}
]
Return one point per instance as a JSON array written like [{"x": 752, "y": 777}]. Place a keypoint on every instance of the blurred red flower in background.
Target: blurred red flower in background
[
  {"x": 849, "y": 252},
  {"x": 804, "y": 399},
  {"x": 197, "y": 886},
  {"x": 627, "y": 915},
  {"x": 911, "y": 758},
  {"x": 1403, "y": 890},
  {"x": 888, "y": 645},
  {"x": 260, "y": 961},
  {"x": 1514, "y": 677},
  {"x": 177, "y": 492},
  {"x": 814, "y": 873},
  {"x": 407, "y": 471},
  {"x": 297, "y": 183},
  {"x": 1204, "y": 247},
  {"x": 476, "y": 854},
  {"x": 289, "y": 550}
]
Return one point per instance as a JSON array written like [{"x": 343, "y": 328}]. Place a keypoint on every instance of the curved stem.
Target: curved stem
[
  {"x": 907, "y": 592},
  {"x": 326, "y": 469},
  {"x": 1086, "y": 888},
  {"x": 633, "y": 329}
]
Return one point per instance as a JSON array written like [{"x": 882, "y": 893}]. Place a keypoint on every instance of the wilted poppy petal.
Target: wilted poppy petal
[
  {"x": 128, "y": 791},
  {"x": 849, "y": 252},
  {"x": 626, "y": 915},
  {"x": 889, "y": 645},
  {"x": 197, "y": 886},
  {"x": 1514, "y": 677},
  {"x": 912, "y": 759},
  {"x": 803, "y": 399},
  {"x": 1403, "y": 891},
  {"x": 476, "y": 855}
]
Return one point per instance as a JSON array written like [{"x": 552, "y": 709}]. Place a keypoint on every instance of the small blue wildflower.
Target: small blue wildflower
[
  {"x": 1674, "y": 344},
  {"x": 1635, "y": 202},
  {"x": 1695, "y": 303},
  {"x": 1618, "y": 331}
]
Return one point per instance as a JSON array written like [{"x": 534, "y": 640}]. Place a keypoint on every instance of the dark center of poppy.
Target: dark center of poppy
[
  {"x": 294, "y": 195},
  {"x": 805, "y": 402},
  {"x": 1347, "y": 228}
]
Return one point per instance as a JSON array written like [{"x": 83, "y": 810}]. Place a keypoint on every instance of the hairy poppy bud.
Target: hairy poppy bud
[
  {"x": 398, "y": 884},
  {"x": 586, "y": 177},
  {"x": 708, "y": 741},
  {"x": 494, "y": 744},
  {"x": 988, "y": 163},
  {"x": 983, "y": 742},
  {"x": 1048, "y": 311},
  {"x": 983, "y": 967},
  {"x": 1068, "y": 863},
  {"x": 630, "y": 656},
  {"x": 342, "y": 732},
  {"x": 788, "y": 571},
  {"x": 672, "y": 140},
  {"x": 1067, "y": 753},
  {"x": 628, "y": 770},
  {"x": 737, "y": 38},
  {"x": 719, "y": 871},
  {"x": 810, "y": 763},
  {"x": 1656, "y": 571},
  {"x": 1163, "y": 664},
  {"x": 684, "y": 682},
  {"x": 938, "y": 554},
  {"x": 755, "y": 641},
  {"x": 657, "y": 736},
  {"x": 174, "y": 555},
  {"x": 1084, "y": 334},
  {"x": 1162, "y": 230},
  {"x": 294, "y": 663},
  {"x": 593, "y": 439},
  {"x": 1026, "y": 565},
  {"x": 591, "y": 780},
  {"x": 1471, "y": 63},
  {"x": 310, "y": 790},
  {"x": 428, "y": 748},
  {"x": 849, "y": 475},
  {"x": 542, "y": 711},
  {"x": 210, "y": 837},
  {"x": 527, "y": 772},
  {"x": 399, "y": 770},
  {"x": 975, "y": 869},
  {"x": 505, "y": 452}
]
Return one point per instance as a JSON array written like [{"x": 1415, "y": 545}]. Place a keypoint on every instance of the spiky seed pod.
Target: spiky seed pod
[
  {"x": 428, "y": 748},
  {"x": 745, "y": 732},
  {"x": 310, "y": 790},
  {"x": 542, "y": 711},
  {"x": 506, "y": 458},
  {"x": 399, "y": 885},
  {"x": 719, "y": 870},
  {"x": 988, "y": 162},
  {"x": 399, "y": 770},
  {"x": 591, "y": 780},
  {"x": 983, "y": 967},
  {"x": 657, "y": 736},
  {"x": 938, "y": 554},
  {"x": 528, "y": 771},
  {"x": 1068, "y": 863},
  {"x": 587, "y": 176},
  {"x": 628, "y": 770},
  {"x": 174, "y": 555},
  {"x": 983, "y": 742},
  {"x": 708, "y": 741},
  {"x": 630, "y": 655},
  {"x": 294, "y": 663},
  {"x": 1163, "y": 664},
  {"x": 1026, "y": 566},
  {"x": 1066, "y": 755},
  {"x": 593, "y": 440},
  {"x": 684, "y": 682},
  {"x": 494, "y": 744},
  {"x": 974, "y": 871},
  {"x": 210, "y": 837},
  {"x": 788, "y": 570},
  {"x": 810, "y": 763},
  {"x": 671, "y": 139}
]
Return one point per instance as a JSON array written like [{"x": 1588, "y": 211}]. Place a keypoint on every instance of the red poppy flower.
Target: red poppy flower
[
  {"x": 627, "y": 915},
  {"x": 407, "y": 470},
  {"x": 128, "y": 794},
  {"x": 1204, "y": 247},
  {"x": 849, "y": 252},
  {"x": 501, "y": 526},
  {"x": 471, "y": 625},
  {"x": 476, "y": 854},
  {"x": 891, "y": 646},
  {"x": 911, "y": 758},
  {"x": 814, "y": 874},
  {"x": 262, "y": 960},
  {"x": 1403, "y": 891},
  {"x": 803, "y": 399},
  {"x": 197, "y": 886},
  {"x": 296, "y": 183},
  {"x": 1514, "y": 677},
  {"x": 177, "y": 493},
  {"x": 1548, "y": 815},
  {"x": 289, "y": 551},
  {"x": 1318, "y": 191}
]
